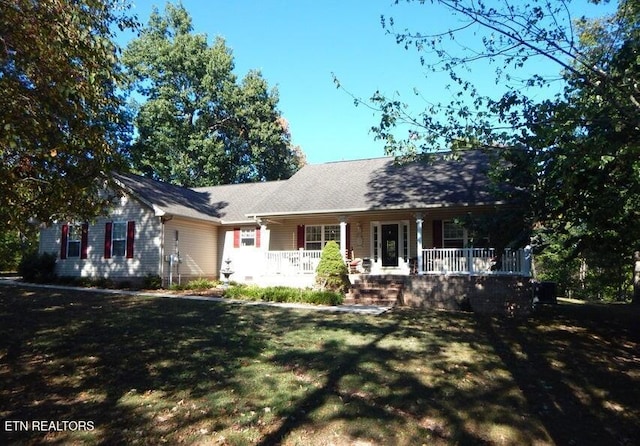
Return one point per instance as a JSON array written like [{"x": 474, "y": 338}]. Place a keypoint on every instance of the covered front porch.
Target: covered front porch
[
  {"x": 287, "y": 251},
  {"x": 442, "y": 261}
]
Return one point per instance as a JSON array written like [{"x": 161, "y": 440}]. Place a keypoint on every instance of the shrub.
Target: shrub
[
  {"x": 248, "y": 292},
  {"x": 201, "y": 284},
  {"x": 284, "y": 294},
  {"x": 38, "y": 268},
  {"x": 152, "y": 282},
  {"x": 196, "y": 284},
  {"x": 332, "y": 273}
]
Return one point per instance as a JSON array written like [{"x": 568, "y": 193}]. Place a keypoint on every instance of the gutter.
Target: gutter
[{"x": 362, "y": 210}]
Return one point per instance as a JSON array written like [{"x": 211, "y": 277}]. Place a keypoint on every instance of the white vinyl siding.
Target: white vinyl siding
[
  {"x": 146, "y": 252},
  {"x": 196, "y": 246}
]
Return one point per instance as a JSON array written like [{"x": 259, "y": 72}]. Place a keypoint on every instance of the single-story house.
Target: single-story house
[{"x": 389, "y": 219}]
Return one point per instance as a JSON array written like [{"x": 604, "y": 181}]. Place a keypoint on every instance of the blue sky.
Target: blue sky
[{"x": 297, "y": 45}]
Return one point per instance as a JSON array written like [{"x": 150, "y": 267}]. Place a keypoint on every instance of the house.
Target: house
[{"x": 388, "y": 218}]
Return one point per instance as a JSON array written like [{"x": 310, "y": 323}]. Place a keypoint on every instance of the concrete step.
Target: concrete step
[{"x": 370, "y": 301}]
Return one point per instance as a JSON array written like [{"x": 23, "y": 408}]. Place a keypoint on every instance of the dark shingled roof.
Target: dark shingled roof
[
  {"x": 239, "y": 199},
  {"x": 223, "y": 204},
  {"x": 344, "y": 186},
  {"x": 382, "y": 184}
]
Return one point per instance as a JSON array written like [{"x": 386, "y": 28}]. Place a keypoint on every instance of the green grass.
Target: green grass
[{"x": 154, "y": 371}]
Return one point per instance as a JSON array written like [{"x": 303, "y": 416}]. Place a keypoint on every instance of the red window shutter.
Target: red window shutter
[
  {"x": 300, "y": 237},
  {"x": 131, "y": 235},
  {"x": 437, "y": 234},
  {"x": 258, "y": 237},
  {"x": 63, "y": 241},
  {"x": 236, "y": 237},
  {"x": 84, "y": 241},
  {"x": 108, "y": 228}
]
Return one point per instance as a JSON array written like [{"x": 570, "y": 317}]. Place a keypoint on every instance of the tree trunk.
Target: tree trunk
[{"x": 636, "y": 278}]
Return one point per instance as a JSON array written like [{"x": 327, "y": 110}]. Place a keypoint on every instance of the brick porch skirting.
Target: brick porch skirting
[{"x": 507, "y": 295}]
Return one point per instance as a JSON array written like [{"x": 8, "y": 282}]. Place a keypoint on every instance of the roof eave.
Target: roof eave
[{"x": 359, "y": 210}]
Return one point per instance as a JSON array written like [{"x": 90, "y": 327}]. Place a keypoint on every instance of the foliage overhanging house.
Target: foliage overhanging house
[{"x": 388, "y": 218}]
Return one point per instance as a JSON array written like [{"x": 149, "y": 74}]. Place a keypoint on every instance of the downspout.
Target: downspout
[{"x": 162, "y": 220}]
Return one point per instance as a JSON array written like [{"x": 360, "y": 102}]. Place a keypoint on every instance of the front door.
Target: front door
[{"x": 389, "y": 245}]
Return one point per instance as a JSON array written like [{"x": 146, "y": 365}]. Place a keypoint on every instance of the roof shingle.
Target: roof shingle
[{"x": 345, "y": 186}]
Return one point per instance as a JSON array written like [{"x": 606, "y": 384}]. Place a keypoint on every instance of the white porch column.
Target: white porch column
[
  {"x": 343, "y": 237},
  {"x": 419, "y": 222},
  {"x": 264, "y": 246},
  {"x": 264, "y": 236}
]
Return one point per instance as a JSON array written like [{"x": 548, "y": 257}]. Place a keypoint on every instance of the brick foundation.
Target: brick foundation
[{"x": 507, "y": 295}]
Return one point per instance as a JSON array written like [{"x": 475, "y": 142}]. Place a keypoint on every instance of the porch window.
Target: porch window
[
  {"x": 456, "y": 236},
  {"x": 317, "y": 236},
  {"x": 375, "y": 242},
  {"x": 453, "y": 235},
  {"x": 405, "y": 242}
]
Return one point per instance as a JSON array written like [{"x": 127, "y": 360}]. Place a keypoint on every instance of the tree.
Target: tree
[
  {"x": 198, "y": 125},
  {"x": 61, "y": 119},
  {"x": 582, "y": 144}
]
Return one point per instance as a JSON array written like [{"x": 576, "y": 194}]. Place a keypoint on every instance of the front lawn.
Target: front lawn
[{"x": 157, "y": 370}]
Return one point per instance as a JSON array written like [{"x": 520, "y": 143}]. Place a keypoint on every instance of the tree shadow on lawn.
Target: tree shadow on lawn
[
  {"x": 418, "y": 377},
  {"x": 163, "y": 370},
  {"x": 126, "y": 364},
  {"x": 578, "y": 367},
  {"x": 144, "y": 369}
]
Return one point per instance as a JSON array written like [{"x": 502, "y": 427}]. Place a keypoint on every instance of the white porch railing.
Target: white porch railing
[
  {"x": 477, "y": 261},
  {"x": 292, "y": 262}
]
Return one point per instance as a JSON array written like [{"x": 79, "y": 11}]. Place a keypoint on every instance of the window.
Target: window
[
  {"x": 74, "y": 239},
  {"x": 375, "y": 242},
  {"x": 313, "y": 237},
  {"x": 453, "y": 235},
  {"x": 119, "y": 239},
  {"x": 405, "y": 242},
  {"x": 456, "y": 236},
  {"x": 247, "y": 237},
  {"x": 318, "y": 236}
]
